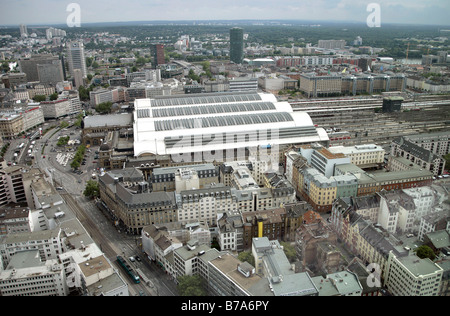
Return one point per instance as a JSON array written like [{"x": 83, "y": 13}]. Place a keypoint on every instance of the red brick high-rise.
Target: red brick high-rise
[{"x": 158, "y": 55}]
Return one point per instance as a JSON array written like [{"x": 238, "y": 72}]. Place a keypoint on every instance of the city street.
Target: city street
[{"x": 105, "y": 234}]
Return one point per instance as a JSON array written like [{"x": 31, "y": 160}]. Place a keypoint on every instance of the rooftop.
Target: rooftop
[
  {"x": 108, "y": 120},
  {"x": 218, "y": 121},
  {"x": 282, "y": 278},
  {"x": 228, "y": 265},
  {"x": 419, "y": 267}
]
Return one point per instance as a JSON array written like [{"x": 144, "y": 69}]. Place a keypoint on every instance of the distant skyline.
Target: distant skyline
[{"x": 46, "y": 12}]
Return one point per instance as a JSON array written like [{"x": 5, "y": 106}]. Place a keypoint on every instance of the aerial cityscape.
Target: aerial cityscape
[{"x": 224, "y": 150}]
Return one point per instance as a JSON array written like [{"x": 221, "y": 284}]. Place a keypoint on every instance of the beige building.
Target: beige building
[
  {"x": 203, "y": 205},
  {"x": 361, "y": 155},
  {"x": 11, "y": 125},
  {"x": 420, "y": 156},
  {"x": 41, "y": 89},
  {"x": 370, "y": 243},
  {"x": 56, "y": 109},
  {"x": 333, "y": 84},
  {"x": 183, "y": 178},
  {"x": 127, "y": 197},
  {"x": 412, "y": 276},
  {"x": 315, "y": 86}
]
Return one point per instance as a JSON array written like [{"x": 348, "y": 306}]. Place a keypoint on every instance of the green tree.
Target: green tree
[
  {"x": 89, "y": 61},
  {"x": 75, "y": 164},
  {"x": 191, "y": 286},
  {"x": 5, "y": 67},
  {"x": 104, "y": 108},
  {"x": 84, "y": 93},
  {"x": 140, "y": 61},
  {"x": 193, "y": 76},
  {"x": 425, "y": 252},
  {"x": 246, "y": 256},
  {"x": 63, "y": 124},
  {"x": 54, "y": 96},
  {"x": 62, "y": 141},
  {"x": 92, "y": 189},
  {"x": 289, "y": 251},
  {"x": 39, "y": 98},
  {"x": 79, "y": 120}
]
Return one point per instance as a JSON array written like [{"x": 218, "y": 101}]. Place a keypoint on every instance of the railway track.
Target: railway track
[{"x": 90, "y": 227}]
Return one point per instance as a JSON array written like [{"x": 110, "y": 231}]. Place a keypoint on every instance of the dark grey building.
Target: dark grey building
[
  {"x": 51, "y": 73},
  {"x": 236, "y": 45},
  {"x": 392, "y": 104},
  {"x": 36, "y": 66}
]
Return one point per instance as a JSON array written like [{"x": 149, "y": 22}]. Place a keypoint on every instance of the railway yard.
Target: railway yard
[{"x": 365, "y": 123}]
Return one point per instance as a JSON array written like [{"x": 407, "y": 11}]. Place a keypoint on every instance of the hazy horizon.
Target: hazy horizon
[{"x": 53, "y": 12}]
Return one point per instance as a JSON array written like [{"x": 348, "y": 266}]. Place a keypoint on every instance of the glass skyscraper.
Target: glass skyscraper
[{"x": 236, "y": 45}]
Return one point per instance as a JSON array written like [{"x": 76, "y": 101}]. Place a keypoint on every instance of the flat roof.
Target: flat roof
[
  {"x": 125, "y": 119},
  {"x": 228, "y": 265},
  {"x": 355, "y": 149},
  {"x": 218, "y": 122},
  {"x": 419, "y": 267}
]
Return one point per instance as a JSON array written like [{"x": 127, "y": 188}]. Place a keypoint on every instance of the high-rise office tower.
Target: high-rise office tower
[
  {"x": 51, "y": 73},
  {"x": 23, "y": 30},
  {"x": 40, "y": 68},
  {"x": 236, "y": 45},
  {"x": 76, "y": 59},
  {"x": 158, "y": 55}
]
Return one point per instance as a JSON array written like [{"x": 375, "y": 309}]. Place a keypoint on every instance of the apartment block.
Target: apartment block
[
  {"x": 313, "y": 242},
  {"x": 104, "y": 95},
  {"x": 127, "y": 194},
  {"x": 14, "y": 220},
  {"x": 437, "y": 142},
  {"x": 270, "y": 224},
  {"x": 56, "y": 109},
  {"x": 192, "y": 259},
  {"x": 40, "y": 89},
  {"x": 316, "y": 86},
  {"x": 424, "y": 158},
  {"x": 369, "y": 155},
  {"x": 11, "y": 125},
  {"x": 176, "y": 178},
  {"x": 203, "y": 205},
  {"x": 370, "y": 243},
  {"x": 331, "y": 44},
  {"x": 14, "y": 121},
  {"x": 412, "y": 276},
  {"x": 28, "y": 275},
  {"x": 271, "y": 262},
  {"x": 323, "y": 159},
  {"x": 230, "y": 227},
  {"x": 228, "y": 276},
  {"x": 433, "y": 222},
  {"x": 321, "y": 191},
  {"x": 342, "y": 283}
]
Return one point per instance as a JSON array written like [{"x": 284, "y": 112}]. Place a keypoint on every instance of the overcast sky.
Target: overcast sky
[{"x": 14, "y": 12}]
